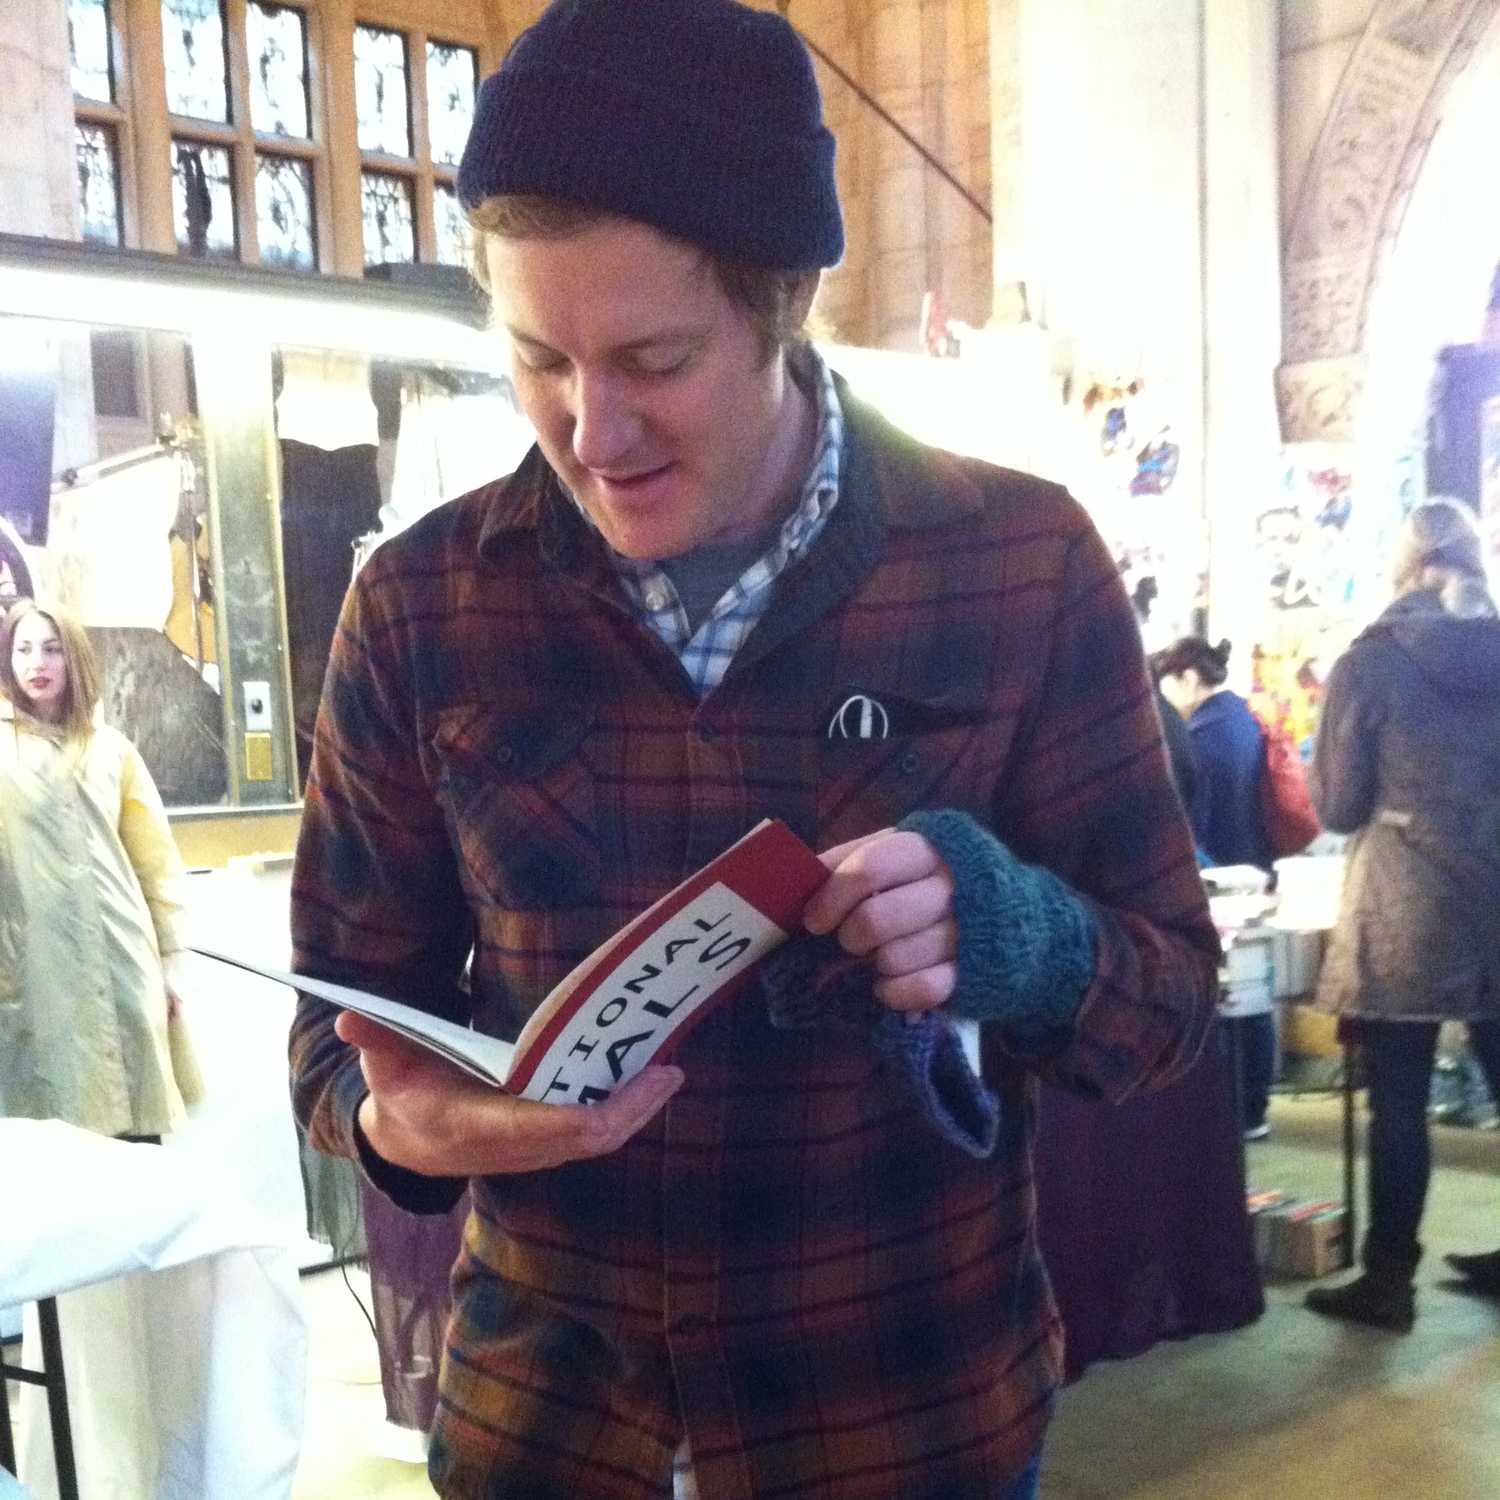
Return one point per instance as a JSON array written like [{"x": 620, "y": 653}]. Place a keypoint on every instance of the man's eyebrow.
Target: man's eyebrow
[{"x": 634, "y": 346}]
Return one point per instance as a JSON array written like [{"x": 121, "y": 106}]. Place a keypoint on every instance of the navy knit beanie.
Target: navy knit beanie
[{"x": 701, "y": 118}]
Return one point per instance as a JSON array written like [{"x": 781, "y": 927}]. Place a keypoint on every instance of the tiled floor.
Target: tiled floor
[
  {"x": 341, "y": 1451},
  {"x": 1295, "y": 1408},
  {"x": 1299, "y": 1407}
]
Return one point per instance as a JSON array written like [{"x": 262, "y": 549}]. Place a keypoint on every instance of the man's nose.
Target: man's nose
[{"x": 606, "y": 425}]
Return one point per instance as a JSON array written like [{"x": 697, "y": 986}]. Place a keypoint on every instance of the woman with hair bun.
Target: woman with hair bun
[
  {"x": 1407, "y": 761},
  {"x": 1226, "y": 814}
]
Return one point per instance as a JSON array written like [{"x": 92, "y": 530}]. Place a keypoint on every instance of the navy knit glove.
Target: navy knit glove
[
  {"x": 1025, "y": 941},
  {"x": 953, "y": 1098},
  {"x": 810, "y": 982}
]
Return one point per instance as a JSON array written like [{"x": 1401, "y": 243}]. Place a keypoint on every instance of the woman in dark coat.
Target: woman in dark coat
[
  {"x": 1225, "y": 808},
  {"x": 1408, "y": 761}
]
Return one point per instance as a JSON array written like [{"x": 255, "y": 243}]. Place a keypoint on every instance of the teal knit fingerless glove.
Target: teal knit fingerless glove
[{"x": 1025, "y": 940}]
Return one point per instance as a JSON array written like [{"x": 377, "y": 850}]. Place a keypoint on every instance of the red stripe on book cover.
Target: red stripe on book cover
[{"x": 772, "y": 869}]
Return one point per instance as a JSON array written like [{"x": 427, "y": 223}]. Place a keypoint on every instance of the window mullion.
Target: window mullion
[
  {"x": 243, "y": 150},
  {"x": 422, "y": 145},
  {"x": 151, "y": 133},
  {"x": 345, "y": 238}
]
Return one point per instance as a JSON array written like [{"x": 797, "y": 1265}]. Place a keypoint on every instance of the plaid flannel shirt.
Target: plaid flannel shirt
[{"x": 788, "y": 1266}]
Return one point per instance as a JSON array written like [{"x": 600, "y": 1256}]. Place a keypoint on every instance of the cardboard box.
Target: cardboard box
[
  {"x": 1309, "y": 1033},
  {"x": 1298, "y": 1241}
]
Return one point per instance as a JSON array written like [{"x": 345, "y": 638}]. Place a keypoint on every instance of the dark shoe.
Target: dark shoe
[
  {"x": 1380, "y": 1301},
  {"x": 1482, "y": 1272}
]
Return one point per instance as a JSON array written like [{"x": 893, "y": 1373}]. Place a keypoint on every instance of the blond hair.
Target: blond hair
[
  {"x": 82, "y": 695},
  {"x": 1438, "y": 545}
]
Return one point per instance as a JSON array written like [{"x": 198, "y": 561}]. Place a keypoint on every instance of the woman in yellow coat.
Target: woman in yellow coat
[{"x": 88, "y": 901}]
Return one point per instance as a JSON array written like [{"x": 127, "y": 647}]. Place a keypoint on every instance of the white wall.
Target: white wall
[
  {"x": 1136, "y": 169},
  {"x": 1242, "y": 306}
]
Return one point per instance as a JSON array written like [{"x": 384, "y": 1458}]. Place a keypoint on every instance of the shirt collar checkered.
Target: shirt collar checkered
[{"x": 707, "y": 653}]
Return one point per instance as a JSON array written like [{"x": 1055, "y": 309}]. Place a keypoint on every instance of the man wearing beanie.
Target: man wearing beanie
[{"x": 802, "y": 1262}]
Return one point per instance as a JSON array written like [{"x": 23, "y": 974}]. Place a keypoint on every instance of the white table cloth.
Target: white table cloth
[{"x": 184, "y": 1308}]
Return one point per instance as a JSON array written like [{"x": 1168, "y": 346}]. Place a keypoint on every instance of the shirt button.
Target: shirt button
[
  {"x": 707, "y": 733},
  {"x": 656, "y": 600},
  {"x": 911, "y": 763}
]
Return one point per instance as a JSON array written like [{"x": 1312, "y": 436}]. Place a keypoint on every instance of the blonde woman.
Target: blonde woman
[
  {"x": 88, "y": 875},
  {"x": 1407, "y": 761},
  {"x": 89, "y": 1030}
]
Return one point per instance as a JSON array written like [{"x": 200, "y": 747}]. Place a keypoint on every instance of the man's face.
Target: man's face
[{"x": 648, "y": 388}]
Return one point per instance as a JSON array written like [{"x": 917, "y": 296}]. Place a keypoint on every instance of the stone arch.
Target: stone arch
[{"x": 1373, "y": 143}]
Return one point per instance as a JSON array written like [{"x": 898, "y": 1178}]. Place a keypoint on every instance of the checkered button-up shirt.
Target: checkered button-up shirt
[
  {"x": 788, "y": 1266},
  {"x": 706, "y": 653}
]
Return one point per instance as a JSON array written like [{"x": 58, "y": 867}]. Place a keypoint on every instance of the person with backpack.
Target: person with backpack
[
  {"x": 1407, "y": 761},
  {"x": 1227, "y": 816}
]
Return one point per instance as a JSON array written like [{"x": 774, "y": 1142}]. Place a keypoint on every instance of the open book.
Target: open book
[{"x": 632, "y": 1000}]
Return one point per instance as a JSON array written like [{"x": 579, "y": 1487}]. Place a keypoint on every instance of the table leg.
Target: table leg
[
  {"x": 1232, "y": 1051},
  {"x": 7, "y": 1442},
  {"x": 57, "y": 1399},
  {"x": 1351, "y": 1208}
]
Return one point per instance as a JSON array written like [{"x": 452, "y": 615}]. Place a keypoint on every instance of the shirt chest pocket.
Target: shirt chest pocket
[
  {"x": 933, "y": 754},
  {"x": 518, "y": 793}
]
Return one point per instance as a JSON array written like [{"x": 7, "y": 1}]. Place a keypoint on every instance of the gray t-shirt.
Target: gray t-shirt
[{"x": 702, "y": 576}]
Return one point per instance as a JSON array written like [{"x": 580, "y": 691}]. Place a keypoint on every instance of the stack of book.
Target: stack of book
[{"x": 1298, "y": 1240}]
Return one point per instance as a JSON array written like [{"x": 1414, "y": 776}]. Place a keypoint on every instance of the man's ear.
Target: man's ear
[{"x": 799, "y": 303}]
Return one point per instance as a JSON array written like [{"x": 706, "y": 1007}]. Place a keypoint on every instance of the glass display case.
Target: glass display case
[{"x": 200, "y": 455}]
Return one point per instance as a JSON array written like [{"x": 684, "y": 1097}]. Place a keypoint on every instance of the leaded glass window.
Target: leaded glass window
[
  {"x": 452, "y": 73},
  {"x": 88, "y": 49},
  {"x": 450, "y": 227},
  {"x": 98, "y": 182},
  {"x": 284, "y": 212},
  {"x": 276, "y": 38},
  {"x": 203, "y": 199},
  {"x": 389, "y": 235},
  {"x": 193, "y": 48},
  {"x": 380, "y": 93}
]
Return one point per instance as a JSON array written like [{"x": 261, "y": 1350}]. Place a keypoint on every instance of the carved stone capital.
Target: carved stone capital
[
  {"x": 1323, "y": 306},
  {"x": 1318, "y": 399}
]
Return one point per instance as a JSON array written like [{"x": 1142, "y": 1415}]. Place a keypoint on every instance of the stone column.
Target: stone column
[
  {"x": 37, "y": 192},
  {"x": 38, "y": 186},
  {"x": 1135, "y": 168},
  {"x": 1242, "y": 304},
  {"x": 1009, "y": 233}
]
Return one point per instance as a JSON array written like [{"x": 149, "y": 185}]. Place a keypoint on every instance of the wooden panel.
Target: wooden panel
[
  {"x": 345, "y": 237},
  {"x": 151, "y": 133}
]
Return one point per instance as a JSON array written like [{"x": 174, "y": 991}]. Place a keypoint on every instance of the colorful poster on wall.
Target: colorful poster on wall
[
  {"x": 1314, "y": 551},
  {"x": 1126, "y": 465}
]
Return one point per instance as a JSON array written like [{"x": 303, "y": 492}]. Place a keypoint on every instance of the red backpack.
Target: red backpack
[{"x": 1286, "y": 808}]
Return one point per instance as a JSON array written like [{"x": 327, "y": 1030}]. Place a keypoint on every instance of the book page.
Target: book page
[
  {"x": 487, "y": 1058},
  {"x": 635, "y": 997}
]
